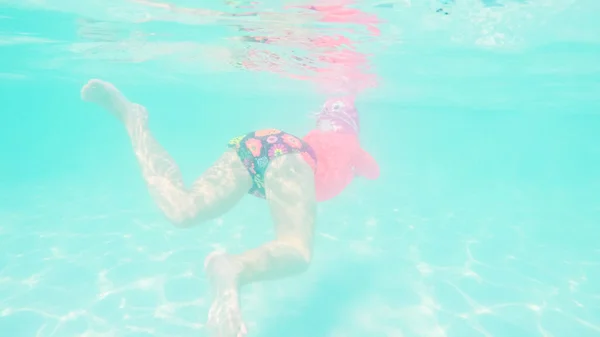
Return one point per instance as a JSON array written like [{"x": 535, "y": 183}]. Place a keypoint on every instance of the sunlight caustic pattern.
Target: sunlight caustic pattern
[
  {"x": 124, "y": 273},
  {"x": 67, "y": 271}
]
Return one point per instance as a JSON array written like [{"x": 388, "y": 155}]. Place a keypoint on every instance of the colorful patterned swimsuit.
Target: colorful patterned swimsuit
[{"x": 257, "y": 149}]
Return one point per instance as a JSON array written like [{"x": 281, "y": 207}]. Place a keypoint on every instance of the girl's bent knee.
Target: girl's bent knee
[{"x": 301, "y": 254}]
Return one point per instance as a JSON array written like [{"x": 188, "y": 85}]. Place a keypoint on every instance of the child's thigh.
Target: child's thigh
[{"x": 290, "y": 191}]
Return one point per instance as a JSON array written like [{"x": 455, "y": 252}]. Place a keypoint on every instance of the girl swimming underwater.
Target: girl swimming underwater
[{"x": 291, "y": 173}]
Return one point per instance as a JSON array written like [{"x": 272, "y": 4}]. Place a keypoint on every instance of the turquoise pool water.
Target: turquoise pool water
[{"x": 484, "y": 222}]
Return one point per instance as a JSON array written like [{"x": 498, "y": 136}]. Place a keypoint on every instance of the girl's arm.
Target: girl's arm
[{"x": 365, "y": 165}]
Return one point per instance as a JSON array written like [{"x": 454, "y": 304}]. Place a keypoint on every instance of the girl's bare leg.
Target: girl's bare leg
[
  {"x": 214, "y": 193},
  {"x": 289, "y": 183}
]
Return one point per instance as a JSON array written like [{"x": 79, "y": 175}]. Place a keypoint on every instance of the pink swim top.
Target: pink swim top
[{"x": 339, "y": 159}]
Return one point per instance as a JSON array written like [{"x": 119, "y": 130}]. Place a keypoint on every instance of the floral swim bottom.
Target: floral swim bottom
[{"x": 257, "y": 149}]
